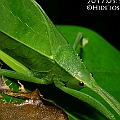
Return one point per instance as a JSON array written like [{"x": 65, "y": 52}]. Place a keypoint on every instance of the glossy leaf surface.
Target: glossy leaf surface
[{"x": 30, "y": 54}]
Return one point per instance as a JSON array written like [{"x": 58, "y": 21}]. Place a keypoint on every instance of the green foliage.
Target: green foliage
[{"x": 32, "y": 46}]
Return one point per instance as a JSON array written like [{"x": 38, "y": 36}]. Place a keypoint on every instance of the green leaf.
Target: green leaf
[{"x": 26, "y": 22}]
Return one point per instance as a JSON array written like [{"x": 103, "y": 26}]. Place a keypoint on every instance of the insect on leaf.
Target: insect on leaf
[{"x": 32, "y": 43}]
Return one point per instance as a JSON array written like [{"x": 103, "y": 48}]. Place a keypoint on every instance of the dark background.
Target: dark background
[{"x": 74, "y": 12}]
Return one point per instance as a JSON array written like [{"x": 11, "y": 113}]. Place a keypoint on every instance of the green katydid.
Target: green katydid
[{"x": 48, "y": 57}]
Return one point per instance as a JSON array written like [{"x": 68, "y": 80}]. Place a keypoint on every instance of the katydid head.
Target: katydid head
[
  {"x": 78, "y": 84},
  {"x": 80, "y": 80},
  {"x": 75, "y": 84}
]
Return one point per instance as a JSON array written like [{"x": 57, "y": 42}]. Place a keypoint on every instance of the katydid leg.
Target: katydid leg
[
  {"x": 77, "y": 40},
  {"x": 24, "y": 77}
]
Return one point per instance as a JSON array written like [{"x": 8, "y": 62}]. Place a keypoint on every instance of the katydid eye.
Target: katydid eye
[{"x": 81, "y": 83}]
